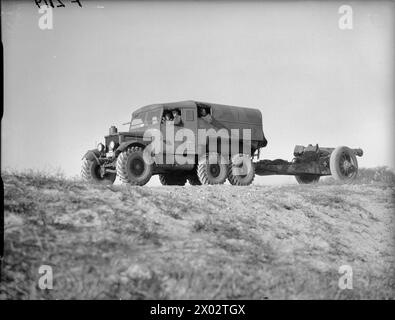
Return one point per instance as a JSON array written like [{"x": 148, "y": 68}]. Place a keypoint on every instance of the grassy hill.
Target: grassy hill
[{"x": 206, "y": 242}]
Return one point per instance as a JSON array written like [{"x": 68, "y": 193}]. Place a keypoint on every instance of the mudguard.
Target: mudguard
[
  {"x": 124, "y": 145},
  {"x": 92, "y": 155}
]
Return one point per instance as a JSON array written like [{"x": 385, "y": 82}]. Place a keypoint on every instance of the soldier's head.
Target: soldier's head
[
  {"x": 168, "y": 116},
  {"x": 175, "y": 113},
  {"x": 203, "y": 112}
]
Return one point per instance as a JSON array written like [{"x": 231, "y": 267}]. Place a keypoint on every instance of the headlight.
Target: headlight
[
  {"x": 100, "y": 147},
  {"x": 111, "y": 146}
]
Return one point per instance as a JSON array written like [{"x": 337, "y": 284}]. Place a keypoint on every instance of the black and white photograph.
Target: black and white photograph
[{"x": 198, "y": 150}]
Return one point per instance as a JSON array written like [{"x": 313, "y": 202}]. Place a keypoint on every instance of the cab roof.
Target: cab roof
[{"x": 190, "y": 103}]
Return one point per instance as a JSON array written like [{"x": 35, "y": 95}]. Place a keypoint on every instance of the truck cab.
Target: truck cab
[{"x": 184, "y": 141}]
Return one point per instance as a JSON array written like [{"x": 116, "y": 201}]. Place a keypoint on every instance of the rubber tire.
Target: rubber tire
[
  {"x": 123, "y": 167},
  {"x": 193, "y": 180},
  {"x": 234, "y": 176},
  {"x": 307, "y": 178},
  {"x": 335, "y": 165},
  {"x": 172, "y": 179},
  {"x": 89, "y": 172},
  {"x": 203, "y": 169}
]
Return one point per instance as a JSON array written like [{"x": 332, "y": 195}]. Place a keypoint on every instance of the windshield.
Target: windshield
[
  {"x": 137, "y": 121},
  {"x": 146, "y": 119}
]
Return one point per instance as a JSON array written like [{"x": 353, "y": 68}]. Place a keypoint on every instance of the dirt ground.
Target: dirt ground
[{"x": 203, "y": 242}]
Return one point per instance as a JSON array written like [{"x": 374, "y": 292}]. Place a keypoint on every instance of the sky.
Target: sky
[{"x": 312, "y": 81}]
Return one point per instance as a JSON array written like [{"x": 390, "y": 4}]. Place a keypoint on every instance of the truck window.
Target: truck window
[
  {"x": 154, "y": 116},
  {"x": 189, "y": 115},
  {"x": 172, "y": 115},
  {"x": 203, "y": 109},
  {"x": 138, "y": 120}
]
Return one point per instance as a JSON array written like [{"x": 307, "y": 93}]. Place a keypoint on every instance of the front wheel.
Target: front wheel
[
  {"x": 92, "y": 172},
  {"x": 132, "y": 167}
]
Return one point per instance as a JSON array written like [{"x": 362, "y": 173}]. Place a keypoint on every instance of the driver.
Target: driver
[
  {"x": 166, "y": 117},
  {"x": 176, "y": 117},
  {"x": 205, "y": 115}
]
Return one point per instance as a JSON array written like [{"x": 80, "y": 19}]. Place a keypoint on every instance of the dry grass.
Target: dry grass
[{"x": 208, "y": 242}]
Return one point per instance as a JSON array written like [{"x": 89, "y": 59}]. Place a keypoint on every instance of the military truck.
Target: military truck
[{"x": 204, "y": 143}]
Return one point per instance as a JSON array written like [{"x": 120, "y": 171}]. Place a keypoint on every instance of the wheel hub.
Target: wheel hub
[
  {"x": 102, "y": 171},
  {"x": 347, "y": 167},
  {"x": 214, "y": 170},
  {"x": 137, "y": 167}
]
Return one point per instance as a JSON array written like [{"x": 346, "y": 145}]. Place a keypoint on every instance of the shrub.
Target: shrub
[{"x": 378, "y": 174}]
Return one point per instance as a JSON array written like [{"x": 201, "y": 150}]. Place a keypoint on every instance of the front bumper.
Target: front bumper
[{"x": 99, "y": 158}]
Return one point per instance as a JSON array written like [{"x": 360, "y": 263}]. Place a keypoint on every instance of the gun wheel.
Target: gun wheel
[{"x": 343, "y": 164}]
